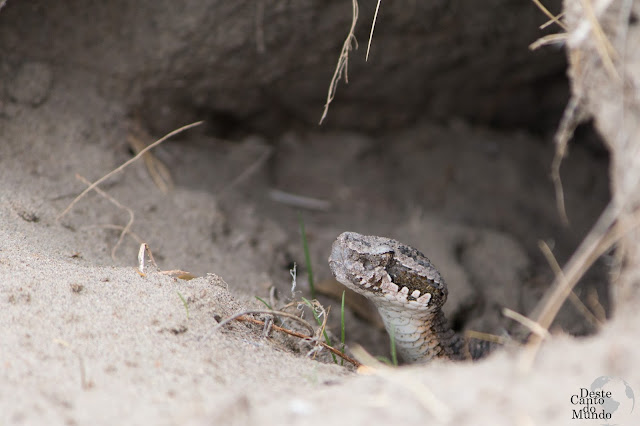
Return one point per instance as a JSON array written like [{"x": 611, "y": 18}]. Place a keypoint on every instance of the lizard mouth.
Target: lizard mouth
[{"x": 416, "y": 285}]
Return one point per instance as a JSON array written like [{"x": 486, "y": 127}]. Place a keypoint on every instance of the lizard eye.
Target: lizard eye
[{"x": 377, "y": 260}]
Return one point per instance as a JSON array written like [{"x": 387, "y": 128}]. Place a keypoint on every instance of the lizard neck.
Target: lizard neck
[{"x": 422, "y": 336}]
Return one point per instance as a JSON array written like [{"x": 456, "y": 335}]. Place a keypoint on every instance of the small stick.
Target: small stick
[
  {"x": 142, "y": 252},
  {"x": 535, "y": 327},
  {"x": 125, "y": 164},
  {"x": 551, "y": 21},
  {"x": 603, "y": 46},
  {"x": 487, "y": 337},
  {"x": 548, "y": 39},
  {"x": 601, "y": 237},
  {"x": 550, "y": 15},
  {"x": 132, "y": 216},
  {"x": 573, "y": 297},
  {"x": 247, "y": 173},
  {"x": 572, "y": 116},
  {"x": 133, "y": 235},
  {"x": 269, "y": 312},
  {"x": 343, "y": 60},
  {"x": 158, "y": 171},
  {"x": 302, "y": 336}
]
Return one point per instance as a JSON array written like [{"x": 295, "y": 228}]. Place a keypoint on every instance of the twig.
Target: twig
[
  {"x": 550, "y": 15},
  {"x": 132, "y": 234},
  {"x": 302, "y": 336},
  {"x": 487, "y": 337},
  {"x": 595, "y": 305},
  {"x": 248, "y": 172},
  {"x": 84, "y": 383},
  {"x": 603, "y": 46},
  {"x": 548, "y": 39},
  {"x": 127, "y": 227},
  {"x": 142, "y": 252},
  {"x": 552, "y": 21},
  {"x": 604, "y": 234},
  {"x": 601, "y": 238},
  {"x": 125, "y": 164},
  {"x": 269, "y": 312},
  {"x": 579, "y": 262},
  {"x": 572, "y": 116},
  {"x": 535, "y": 328},
  {"x": 138, "y": 138},
  {"x": 573, "y": 297}
]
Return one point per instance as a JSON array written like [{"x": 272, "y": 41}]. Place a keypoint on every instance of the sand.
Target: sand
[{"x": 89, "y": 339}]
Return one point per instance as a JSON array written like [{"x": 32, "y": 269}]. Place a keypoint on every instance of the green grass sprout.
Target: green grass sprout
[
  {"x": 265, "y": 302},
  {"x": 384, "y": 359},
  {"x": 342, "y": 329},
  {"x": 394, "y": 354},
  {"x": 184, "y": 302},
  {"x": 307, "y": 256}
]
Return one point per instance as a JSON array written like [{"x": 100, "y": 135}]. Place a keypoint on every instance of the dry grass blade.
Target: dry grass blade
[
  {"x": 143, "y": 252},
  {"x": 600, "y": 239},
  {"x": 584, "y": 256},
  {"x": 603, "y": 46},
  {"x": 549, "y": 14},
  {"x": 572, "y": 116},
  {"x": 247, "y": 173},
  {"x": 487, "y": 337},
  {"x": 125, "y": 164},
  {"x": 593, "y": 300},
  {"x": 343, "y": 60},
  {"x": 324, "y": 313},
  {"x": 573, "y": 297},
  {"x": 138, "y": 138},
  {"x": 129, "y": 232},
  {"x": 373, "y": 25},
  {"x": 556, "y": 20},
  {"x": 532, "y": 325},
  {"x": 548, "y": 39},
  {"x": 127, "y": 227}
]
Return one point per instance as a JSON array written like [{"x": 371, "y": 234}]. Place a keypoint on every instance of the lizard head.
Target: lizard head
[{"x": 385, "y": 269}]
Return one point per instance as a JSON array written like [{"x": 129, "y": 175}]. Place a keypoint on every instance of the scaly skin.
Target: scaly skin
[{"x": 408, "y": 292}]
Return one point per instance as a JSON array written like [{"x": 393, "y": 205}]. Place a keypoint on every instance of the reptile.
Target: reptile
[{"x": 408, "y": 292}]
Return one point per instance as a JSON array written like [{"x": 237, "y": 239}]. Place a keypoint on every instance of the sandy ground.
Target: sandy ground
[{"x": 88, "y": 340}]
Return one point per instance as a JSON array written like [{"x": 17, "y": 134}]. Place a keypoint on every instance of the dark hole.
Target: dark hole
[{"x": 224, "y": 124}]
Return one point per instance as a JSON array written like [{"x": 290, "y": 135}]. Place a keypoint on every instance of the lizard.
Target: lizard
[{"x": 409, "y": 293}]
